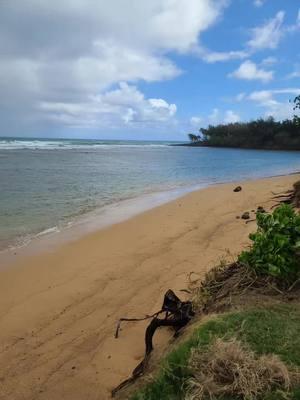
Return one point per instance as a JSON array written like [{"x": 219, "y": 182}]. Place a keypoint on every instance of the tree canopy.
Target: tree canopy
[
  {"x": 257, "y": 134},
  {"x": 194, "y": 138}
]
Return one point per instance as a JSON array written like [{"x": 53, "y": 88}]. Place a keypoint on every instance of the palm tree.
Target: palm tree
[
  {"x": 193, "y": 138},
  {"x": 296, "y": 107}
]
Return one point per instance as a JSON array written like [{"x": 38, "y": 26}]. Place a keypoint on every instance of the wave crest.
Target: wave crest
[{"x": 17, "y": 144}]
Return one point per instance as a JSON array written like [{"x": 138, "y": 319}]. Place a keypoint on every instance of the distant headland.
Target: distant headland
[{"x": 262, "y": 133}]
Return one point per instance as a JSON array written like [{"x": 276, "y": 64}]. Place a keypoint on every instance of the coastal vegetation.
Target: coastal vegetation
[
  {"x": 273, "y": 330},
  {"x": 252, "y": 351},
  {"x": 276, "y": 245},
  {"x": 256, "y": 134}
]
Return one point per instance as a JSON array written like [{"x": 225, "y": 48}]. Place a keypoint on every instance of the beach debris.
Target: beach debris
[
  {"x": 237, "y": 189},
  {"x": 177, "y": 314},
  {"x": 291, "y": 197},
  {"x": 245, "y": 215}
]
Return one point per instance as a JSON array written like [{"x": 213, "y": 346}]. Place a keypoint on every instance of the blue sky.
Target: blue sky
[{"x": 145, "y": 70}]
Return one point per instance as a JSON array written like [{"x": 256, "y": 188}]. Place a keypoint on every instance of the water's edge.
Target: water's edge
[
  {"x": 105, "y": 217},
  {"x": 94, "y": 221}
]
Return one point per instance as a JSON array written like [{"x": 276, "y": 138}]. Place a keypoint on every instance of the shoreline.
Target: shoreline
[
  {"x": 94, "y": 221},
  {"x": 199, "y": 144},
  {"x": 59, "y": 309},
  {"x": 101, "y": 218}
]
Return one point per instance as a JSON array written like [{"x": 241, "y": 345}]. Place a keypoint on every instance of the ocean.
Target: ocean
[{"x": 47, "y": 186}]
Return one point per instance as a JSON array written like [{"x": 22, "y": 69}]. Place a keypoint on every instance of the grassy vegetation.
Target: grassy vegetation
[{"x": 272, "y": 330}]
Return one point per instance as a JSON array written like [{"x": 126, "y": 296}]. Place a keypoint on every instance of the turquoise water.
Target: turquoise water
[{"x": 46, "y": 185}]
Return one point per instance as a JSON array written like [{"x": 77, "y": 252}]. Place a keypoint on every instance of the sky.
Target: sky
[{"x": 140, "y": 69}]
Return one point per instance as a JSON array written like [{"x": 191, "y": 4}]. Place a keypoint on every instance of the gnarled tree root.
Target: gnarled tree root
[
  {"x": 177, "y": 314},
  {"x": 291, "y": 197}
]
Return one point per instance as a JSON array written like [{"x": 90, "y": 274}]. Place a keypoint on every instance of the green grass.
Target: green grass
[{"x": 271, "y": 330}]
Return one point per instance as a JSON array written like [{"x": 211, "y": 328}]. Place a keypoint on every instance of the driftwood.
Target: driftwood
[{"x": 177, "y": 314}]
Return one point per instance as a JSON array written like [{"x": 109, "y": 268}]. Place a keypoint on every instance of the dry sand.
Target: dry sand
[{"x": 58, "y": 310}]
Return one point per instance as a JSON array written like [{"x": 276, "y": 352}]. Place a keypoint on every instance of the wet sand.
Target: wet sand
[{"x": 58, "y": 309}]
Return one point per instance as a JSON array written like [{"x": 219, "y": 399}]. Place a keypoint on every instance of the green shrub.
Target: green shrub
[{"x": 276, "y": 245}]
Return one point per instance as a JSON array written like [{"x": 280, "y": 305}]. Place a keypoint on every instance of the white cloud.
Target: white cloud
[
  {"x": 178, "y": 23},
  {"x": 67, "y": 67},
  {"x": 124, "y": 105},
  {"x": 269, "y": 61},
  {"x": 295, "y": 73},
  {"x": 148, "y": 24},
  {"x": 129, "y": 115},
  {"x": 196, "y": 122},
  {"x": 215, "y": 117},
  {"x": 217, "y": 56},
  {"x": 295, "y": 27},
  {"x": 265, "y": 36},
  {"x": 268, "y": 35},
  {"x": 259, "y": 3},
  {"x": 231, "y": 117},
  {"x": 263, "y": 96},
  {"x": 274, "y": 106},
  {"x": 240, "y": 97},
  {"x": 248, "y": 70},
  {"x": 109, "y": 64}
]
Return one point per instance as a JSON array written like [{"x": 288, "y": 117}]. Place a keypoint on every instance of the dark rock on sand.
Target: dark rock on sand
[
  {"x": 246, "y": 215},
  {"x": 237, "y": 189}
]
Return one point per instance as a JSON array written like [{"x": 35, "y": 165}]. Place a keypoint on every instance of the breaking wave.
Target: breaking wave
[{"x": 18, "y": 144}]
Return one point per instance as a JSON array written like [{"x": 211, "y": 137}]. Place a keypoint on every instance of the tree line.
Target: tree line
[{"x": 257, "y": 134}]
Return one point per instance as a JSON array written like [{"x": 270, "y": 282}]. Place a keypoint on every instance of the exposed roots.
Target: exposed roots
[
  {"x": 232, "y": 369},
  {"x": 177, "y": 314},
  {"x": 291, "y": 197},
  {"x": 226, "y": 281}
]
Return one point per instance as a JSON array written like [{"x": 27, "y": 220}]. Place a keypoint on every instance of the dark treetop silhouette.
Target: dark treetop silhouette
[{"x": 258, "y": 134}]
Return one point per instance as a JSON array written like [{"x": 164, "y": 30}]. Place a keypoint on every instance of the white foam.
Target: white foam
[
  {"x": 48, "y": 231},
  {"x": 7, "y": 144}
]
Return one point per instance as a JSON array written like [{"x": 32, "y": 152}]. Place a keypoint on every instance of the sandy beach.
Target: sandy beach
[{"x": 59, "y": 309}]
